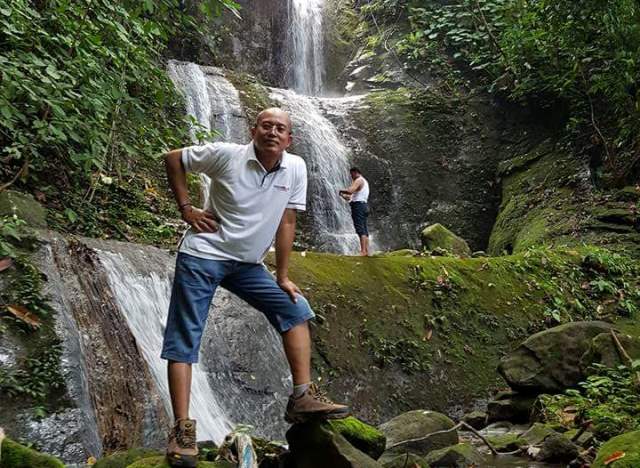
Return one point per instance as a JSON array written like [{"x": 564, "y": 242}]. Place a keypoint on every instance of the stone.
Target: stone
[
  {"x": 406, "y": 460},
  {"x": 507, "y": 442},
  {"x": 161, "y": 462},
  {"x": 316, "y": 445},
  {"x": 585, "y": 440},
  {"x": 455, "y": 456},
  {"x": 557, "y": 448},
  {"x": 15, "y": 455},
  {"x": 437, "y": 236},
  {"x": 510, "y": 406},
  {"x": 550, "y": 361},
  {"x": 476, "y": 419},
  {"x": 415, "y": 424},
  {"x": 604, "y": 351},
  {"x": 362, "y": 436},
  {"x": 24, "y": 206},
  {"x": 536, "y": 434},
  {"x": 398, "y": 253},
  {"x": 628, "y": 443}
]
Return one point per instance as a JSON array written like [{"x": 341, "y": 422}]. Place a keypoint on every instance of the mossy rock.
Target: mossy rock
[
  {"x": 316, "y": 445},
  {"x": 24, "y": 206},
  {"x": 507, "y": 442},
  {"x": 14, "y": 455},
  {"x": 511, "y": 406},
  {"x": 398, "y": 253},
  {"x": 476, "y": 419},
  {"x": 459, "y": 455},
  {"x": 124, "y": 459},
  {"x": 537, "y": 433},
  {"x": 406, "y": 460},
  {"x": 418, "y": 423},
  {"x": 161, "y": 462},
  {"x": 557, "y": 448},
  {"x": 362, "y": 436},
  {"x": 437, "y": 236},
  {"x": 628, "y": 443},
  {"x": 604, "y": 351}
]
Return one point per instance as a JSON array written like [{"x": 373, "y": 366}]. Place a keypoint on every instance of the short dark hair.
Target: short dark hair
[{"x": 355, "y": 169}]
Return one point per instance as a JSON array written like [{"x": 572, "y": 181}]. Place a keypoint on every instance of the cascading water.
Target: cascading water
[
  {"x": 144, "y": 301},
  {"x": 306, "y": 43},
  {"x": 328, "y": 168}
]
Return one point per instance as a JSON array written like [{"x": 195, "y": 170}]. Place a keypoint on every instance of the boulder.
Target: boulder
[
  {"x": 161, "y": 462},
  {"x": 316, "y": 445},
  {"x": 365, "y": 438},
  {"x": 15, "y": 455},
  {"x": 627, "y": 444},
  {"x": 476, "y": 419},
  {"x": 24, "y": 206},
  {"x": 537, "y": 433},
  {"x": 557, "y": 448},
  {"x": 510, "y": 406},
  {"x": 603, "y": 351},
  {"x": 459, "y": 455},
  {"x": 437, "y": 236},
  {"x": 550, "y": 361},
  {"x": 406, "y": 460},
  {"x": 416, "y": 424},
  {"x": 508, "y": 442}
]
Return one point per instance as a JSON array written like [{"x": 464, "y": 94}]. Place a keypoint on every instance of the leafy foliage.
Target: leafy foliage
[
  {"x": 578, "y": 59},
  {"x": 609, "y": 398},
  {"x": 85, "y": 101}
]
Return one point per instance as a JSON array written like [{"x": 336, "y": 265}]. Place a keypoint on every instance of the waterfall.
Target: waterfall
[
  {"x": 306, "y": 41},
  {"x": 144, "y": 302},
  {"x": 328, "y": 171}
]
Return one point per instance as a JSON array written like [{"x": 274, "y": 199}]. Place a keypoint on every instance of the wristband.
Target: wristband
[{"x": 184, "y": 205}]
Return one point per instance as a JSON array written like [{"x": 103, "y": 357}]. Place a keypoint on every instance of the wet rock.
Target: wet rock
[
  {"x": 459, "y": 455},
  {"x": 316, "y": 445},
  {"x": 406, "y": 460},
  {"x": 415, "y": 424},
  {"x": 537, "y": 433},
  {"x": 365, "y": 438},
  {"x": 437, "y": 236},
  {"x": 161, "y": 462},
  {"x": 510, "y": 406},
  {"x": 476, "y": 419},
  {"x": 507, "y": 442},
  {"x": 15, "y": 455},
  {"x": 628, "y": 443},
  {"x": 557, "y": 448},
  {"x": 584, "y": 440},
  {"x": 24, "y": 206},
  {"x": 550, "y": 361}
]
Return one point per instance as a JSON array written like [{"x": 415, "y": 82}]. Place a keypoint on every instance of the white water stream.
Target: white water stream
[{"x": 306, "y": 41}]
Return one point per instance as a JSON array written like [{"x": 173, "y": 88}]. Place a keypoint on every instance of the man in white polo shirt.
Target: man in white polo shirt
[{"x": 256, "y": 190}]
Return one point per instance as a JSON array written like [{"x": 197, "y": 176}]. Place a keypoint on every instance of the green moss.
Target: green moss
[
  {"x": 362, "y": 436},
  {"x": 254, "y": 95},
  {"x": 507, "y": 442},
  {"x": 14, "y": 455},
  {"x": 124, "y": 459},
  {"x": 161, "y": 462},
  {"x": 628, "y": 443}
]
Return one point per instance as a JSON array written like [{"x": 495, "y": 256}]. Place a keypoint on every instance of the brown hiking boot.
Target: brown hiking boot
[
  {"x": 182, "y": 450},
  {"x": 313, "y": 404}
]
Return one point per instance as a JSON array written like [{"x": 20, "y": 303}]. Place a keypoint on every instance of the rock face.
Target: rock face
[
  {"x": 24, "y": 206},
  {"x": 415, "y": 424},
  {"x": 604, "y": 351},
  {"x": 549, "y": 361},
  {"x": 628, "y": 443},
  {"x": 510, "y": 406},
  {"x": 437, "y": 236},
  {"x": 316, "y": 445}
]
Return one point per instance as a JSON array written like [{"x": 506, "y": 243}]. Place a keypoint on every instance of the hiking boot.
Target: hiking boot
[
  {"x": 313, "y": 404},
  {"x": 182, "y": 450}
]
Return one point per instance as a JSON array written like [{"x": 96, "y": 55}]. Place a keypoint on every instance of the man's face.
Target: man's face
[
  {"x": 272, "y": 133},
  {"x": 354, "y": 175}
]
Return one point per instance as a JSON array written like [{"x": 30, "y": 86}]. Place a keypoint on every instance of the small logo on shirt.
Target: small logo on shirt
[{"x": 282, "y": 188}]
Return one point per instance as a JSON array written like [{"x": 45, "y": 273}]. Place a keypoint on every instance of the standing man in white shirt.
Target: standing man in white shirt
[
  {"x": 256, "y": 190},
  {"x": 358, "y": 196}
]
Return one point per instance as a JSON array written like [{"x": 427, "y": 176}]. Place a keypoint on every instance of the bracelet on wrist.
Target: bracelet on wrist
[{"x": 184, "y": 205}]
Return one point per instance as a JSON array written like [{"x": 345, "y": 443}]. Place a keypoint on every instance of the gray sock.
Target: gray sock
[{"x": 298, "y": 390}]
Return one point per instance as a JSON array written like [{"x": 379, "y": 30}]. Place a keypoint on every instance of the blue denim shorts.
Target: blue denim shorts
[
  {"x": 194, "y": 284},
  {"x": 359, "y": 213}
]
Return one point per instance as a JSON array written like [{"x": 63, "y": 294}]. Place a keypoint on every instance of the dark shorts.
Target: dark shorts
[
  {"x": 359, "y": 213},
  {"x": 194, "y": 284}
]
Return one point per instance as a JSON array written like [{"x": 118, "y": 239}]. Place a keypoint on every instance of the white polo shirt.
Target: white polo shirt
[{"x": 248, "y": 200}]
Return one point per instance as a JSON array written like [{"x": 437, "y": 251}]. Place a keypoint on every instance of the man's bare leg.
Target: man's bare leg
[
  {"x": 364, "y": 246},
  {"x": 297, "y": 347},
  {"x": 180, "y": 388}
]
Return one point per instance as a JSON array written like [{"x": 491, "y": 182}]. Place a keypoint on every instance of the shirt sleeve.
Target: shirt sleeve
[
  {"x": 298, "y": 198},
  {"x": 205, "y": 159}
]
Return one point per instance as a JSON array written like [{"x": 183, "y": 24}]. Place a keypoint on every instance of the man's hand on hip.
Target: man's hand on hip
[
  {"x": 290, "y": 288},
  {"x": 200, "y": 220}
]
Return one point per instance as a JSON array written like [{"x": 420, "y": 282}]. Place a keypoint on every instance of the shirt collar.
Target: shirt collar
[{"x": 251, "y": 151}]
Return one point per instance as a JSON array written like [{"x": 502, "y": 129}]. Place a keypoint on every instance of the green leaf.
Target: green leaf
[{"x": 72, "y": 216}]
